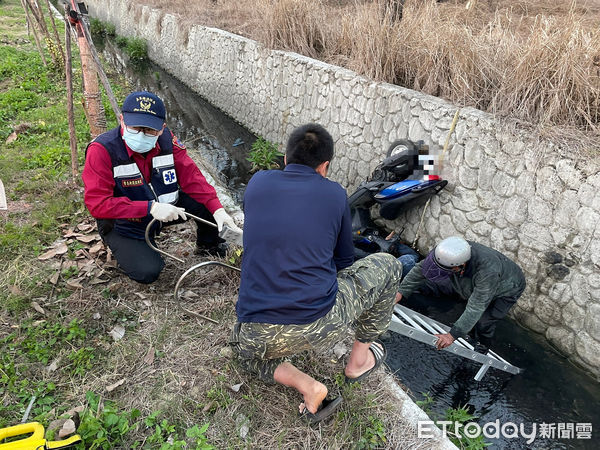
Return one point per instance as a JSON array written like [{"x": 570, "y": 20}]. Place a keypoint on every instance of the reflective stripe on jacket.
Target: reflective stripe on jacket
[{"x": 129, "y": 181}]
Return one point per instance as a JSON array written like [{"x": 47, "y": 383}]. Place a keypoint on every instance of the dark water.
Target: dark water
[{"x": 550, "y": 390}]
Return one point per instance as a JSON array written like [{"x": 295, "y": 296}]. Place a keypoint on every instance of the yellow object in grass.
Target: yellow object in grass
[{"x": 36, "y": 439}]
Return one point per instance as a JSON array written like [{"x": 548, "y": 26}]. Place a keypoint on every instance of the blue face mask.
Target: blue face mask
[{"x": 139, "y": 142}]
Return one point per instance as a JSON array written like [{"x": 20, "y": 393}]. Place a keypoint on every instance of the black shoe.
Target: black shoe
[
  {"x": 481, "y": 348},
  {"x": 471, "y": 339},
  {"x": 218, "y": 250}
]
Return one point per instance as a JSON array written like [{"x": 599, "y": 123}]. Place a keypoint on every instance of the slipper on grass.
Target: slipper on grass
[
  {"x": 379, "y": 353},
  {"x": 326, "y": 409}
]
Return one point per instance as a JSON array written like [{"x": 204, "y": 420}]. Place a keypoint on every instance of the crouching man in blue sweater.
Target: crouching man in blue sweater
[{"x": 299, "y": 288}]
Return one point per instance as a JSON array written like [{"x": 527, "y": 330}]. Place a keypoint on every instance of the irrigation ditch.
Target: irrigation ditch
[{"x": 550, "y": 390}]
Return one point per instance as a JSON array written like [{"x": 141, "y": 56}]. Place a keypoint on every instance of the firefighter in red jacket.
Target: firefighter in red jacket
[{"x": 139, "y": 171}]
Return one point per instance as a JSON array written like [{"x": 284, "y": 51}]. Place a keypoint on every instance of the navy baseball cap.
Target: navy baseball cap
[{"x": 144, "y": 109}]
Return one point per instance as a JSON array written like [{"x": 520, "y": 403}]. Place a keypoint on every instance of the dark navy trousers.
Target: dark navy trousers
[{"x": 139, "y": 262}]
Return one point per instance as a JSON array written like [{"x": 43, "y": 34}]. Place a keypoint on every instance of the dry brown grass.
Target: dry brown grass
[
  {"x": 294, "y": 25},
  {"x": 536, "y": 61},
  {"x": 191, "y": 382},
  {"x": 369, "y": 43},
  {"x": 554, "y": 77}
]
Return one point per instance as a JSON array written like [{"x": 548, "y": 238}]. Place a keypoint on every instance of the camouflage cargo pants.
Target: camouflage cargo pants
[{"x": 366, "y": 293}]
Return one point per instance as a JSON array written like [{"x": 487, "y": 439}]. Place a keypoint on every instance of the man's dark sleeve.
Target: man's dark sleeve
[
  {"x": 412, "y": 281},
  {"x": 343, "y": 254}
]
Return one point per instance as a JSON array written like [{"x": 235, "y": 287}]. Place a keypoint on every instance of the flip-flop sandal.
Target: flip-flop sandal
[
  {"x": 379, "y": 353},
  {"x": 326, "y": 409}
]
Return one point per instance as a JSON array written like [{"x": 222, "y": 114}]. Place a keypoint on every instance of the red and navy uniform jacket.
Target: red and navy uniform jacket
[{"x": 120, "y": 185}]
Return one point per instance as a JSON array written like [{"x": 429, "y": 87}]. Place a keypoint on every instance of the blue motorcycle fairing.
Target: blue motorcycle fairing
[{"x": 401, "y": 188}]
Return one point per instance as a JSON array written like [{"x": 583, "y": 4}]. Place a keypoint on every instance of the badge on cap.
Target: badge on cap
[{"x": 145, "y": 105}]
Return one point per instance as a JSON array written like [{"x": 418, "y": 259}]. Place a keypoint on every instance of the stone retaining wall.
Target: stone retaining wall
[{"x": 523, "y": 196}]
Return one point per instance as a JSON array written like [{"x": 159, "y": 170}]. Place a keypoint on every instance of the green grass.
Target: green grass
[
  {"x": 104, "y": 426},
  {"x": 454, "y": 415},
  {"x": 102, "y": 29},
  {"x": 35, "y": 344},
  {"x": 36, "y": 167},
  {"x": 135, "y": 48},
  {"x": 35, "y": 170},
  {"x": 26, "y": 78}
]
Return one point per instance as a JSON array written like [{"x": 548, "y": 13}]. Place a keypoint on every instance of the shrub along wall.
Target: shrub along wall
[{"x": 523, "y": 196}]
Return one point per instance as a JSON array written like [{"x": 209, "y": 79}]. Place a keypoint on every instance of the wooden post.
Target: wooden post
[
  {"x": 101, "y": 73},
  {"x": 94, "y": 110},
  {"x": 70, "y": 114},
  {"x": 55, "y": 31},
  {"x": 35, "y": 36},
  {"x": 38, "y": 14}
]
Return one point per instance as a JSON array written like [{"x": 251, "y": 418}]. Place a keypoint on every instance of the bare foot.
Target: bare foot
[
  {"x": 360, "y": 361},
  {"x": 314, "y": 397},
  {"x": 313, "y": 392}
]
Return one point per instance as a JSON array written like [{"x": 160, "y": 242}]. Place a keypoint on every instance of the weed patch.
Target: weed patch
[
  {"x": 104, "y": 426},
  {"x": 264, "y": 155},
  {"x": 25, "y": 354},
  {"x": 101, "y": 29},
  {"x": 135, "y": 48},
  {"x": 373, "y": 435},
  {"x": 455, "y": 417}
]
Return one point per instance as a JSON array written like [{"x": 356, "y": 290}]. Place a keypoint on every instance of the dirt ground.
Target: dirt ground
[{"x": 182, "y": 366}]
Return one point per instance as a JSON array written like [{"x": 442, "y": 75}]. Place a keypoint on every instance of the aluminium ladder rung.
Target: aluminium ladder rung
[{"x": 417, "y": 326}]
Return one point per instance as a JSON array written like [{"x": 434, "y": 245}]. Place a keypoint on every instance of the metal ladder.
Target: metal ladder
[{"x": 416, "y": 326}]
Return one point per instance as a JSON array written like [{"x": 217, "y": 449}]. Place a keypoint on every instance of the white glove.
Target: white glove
[
  {"x": 222, "y": 218},
  {"x": 165, "y": 212}
]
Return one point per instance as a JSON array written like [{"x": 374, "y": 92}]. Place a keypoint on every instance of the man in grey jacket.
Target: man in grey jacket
[{"x": 489, "y": 281}]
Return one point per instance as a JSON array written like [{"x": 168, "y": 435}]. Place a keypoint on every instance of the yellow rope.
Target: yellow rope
[{"x": 448, "y": 138}]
